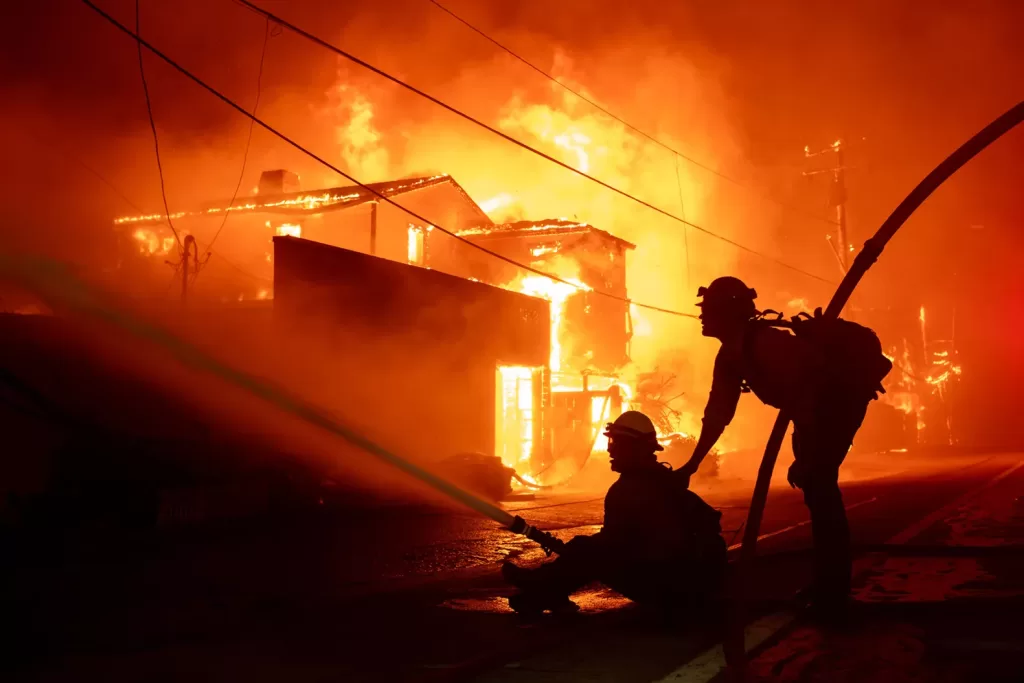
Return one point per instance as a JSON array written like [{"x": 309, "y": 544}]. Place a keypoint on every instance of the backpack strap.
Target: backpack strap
[{"x": 767, "y": 318}]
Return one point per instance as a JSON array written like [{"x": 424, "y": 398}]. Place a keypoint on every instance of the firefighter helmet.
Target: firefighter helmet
[
  {"x": 727, "y": 289},
  {"x": 633, "y": 424}
]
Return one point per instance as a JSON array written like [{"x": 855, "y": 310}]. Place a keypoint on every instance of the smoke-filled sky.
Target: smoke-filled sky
[{"x": 739, "y": 86}]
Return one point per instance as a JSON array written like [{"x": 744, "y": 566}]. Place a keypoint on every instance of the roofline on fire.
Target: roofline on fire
[
  {"x": 557, "y": 226},
  {"x": 314, "y": 201}
]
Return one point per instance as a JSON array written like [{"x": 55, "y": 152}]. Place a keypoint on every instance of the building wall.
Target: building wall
[
  {"x": 442, "y": 205},
  {"x": 597, "y": 326},
  {"x": 415, "y": 350}
]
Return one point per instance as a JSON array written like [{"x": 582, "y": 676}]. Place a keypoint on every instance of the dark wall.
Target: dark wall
[{"x": 413, "y": 351}]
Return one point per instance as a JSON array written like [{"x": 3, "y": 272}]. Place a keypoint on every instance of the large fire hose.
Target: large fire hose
[
  {"x": 734, "y": 642},
  {"x": 63, "y": 291}
]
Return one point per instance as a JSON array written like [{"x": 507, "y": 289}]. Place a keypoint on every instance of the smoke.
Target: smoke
[{"x": 739, "y": 90}]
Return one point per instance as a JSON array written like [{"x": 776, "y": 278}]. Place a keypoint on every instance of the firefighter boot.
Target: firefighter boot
[
  {"x": 534, "y": 604},
  {"x": 538, "y": 594}
]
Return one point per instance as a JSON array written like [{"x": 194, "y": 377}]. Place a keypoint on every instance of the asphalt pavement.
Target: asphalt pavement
[{"x": 413, "y": 594}]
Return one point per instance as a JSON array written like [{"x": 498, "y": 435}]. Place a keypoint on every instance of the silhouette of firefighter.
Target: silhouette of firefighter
[
  {"x": 660, "y": 543},
  {"x": 824, "y": 373}
]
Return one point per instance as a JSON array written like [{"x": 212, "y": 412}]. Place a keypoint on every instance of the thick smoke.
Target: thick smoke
[{"x": 742, "y": 90}]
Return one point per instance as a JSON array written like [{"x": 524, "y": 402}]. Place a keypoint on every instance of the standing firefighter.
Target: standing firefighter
[
  {"x": 824, "y": 373},
  {"x": 660, "y": 543}
]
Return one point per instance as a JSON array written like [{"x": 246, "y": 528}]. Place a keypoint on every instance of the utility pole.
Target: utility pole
[
  {"x": 188, "y": 246},
  {"x": 839, "y": 238},
  {"x": 373, "y": 228},
  {"x": 837, "y": 198}
]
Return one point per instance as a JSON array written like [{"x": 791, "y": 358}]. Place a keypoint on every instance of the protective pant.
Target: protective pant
[
  {"x": 677, "y": 580},
  {"x": 820, "y": 444}
]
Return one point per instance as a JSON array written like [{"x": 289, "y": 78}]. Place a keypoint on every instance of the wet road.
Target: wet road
[{"x": 410, "y": 594}]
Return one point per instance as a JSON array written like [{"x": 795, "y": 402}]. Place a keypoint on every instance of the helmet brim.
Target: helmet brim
[{"x": 610, "y": 432}]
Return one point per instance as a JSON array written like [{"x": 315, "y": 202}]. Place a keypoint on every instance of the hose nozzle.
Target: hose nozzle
[{"x": 549, "y": 543}]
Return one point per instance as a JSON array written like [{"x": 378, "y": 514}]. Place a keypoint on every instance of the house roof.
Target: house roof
[
  {"x": 313, "y": 201},
  {"x": 559, "y": 226}
]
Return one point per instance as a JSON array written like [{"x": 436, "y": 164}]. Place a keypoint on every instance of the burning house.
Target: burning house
[
  {"x": 917, "y": 407},
  {"x": 590, "y": 332},
  {"x": 350, "y": 217},
  {"x": 548, "y": 408}
]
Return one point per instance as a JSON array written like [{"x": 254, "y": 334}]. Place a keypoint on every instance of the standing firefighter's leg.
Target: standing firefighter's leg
[
  {"x": 820, "y": 445},
  {"x": 831, "y": 533}
]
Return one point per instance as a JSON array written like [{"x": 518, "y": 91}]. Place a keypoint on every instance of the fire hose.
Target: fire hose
[
  {"x": 63, "y": 290},
  {"x": 735, "y": 653}
]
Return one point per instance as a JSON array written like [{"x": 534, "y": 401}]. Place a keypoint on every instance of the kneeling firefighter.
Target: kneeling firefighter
[{"x": 660, "y": 543}]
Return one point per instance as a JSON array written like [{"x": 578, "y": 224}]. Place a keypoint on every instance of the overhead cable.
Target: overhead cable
[
  {"x": 152, "y": 125},
  {"x": 458, "y": 112},
  {"x": 248, "y": 140},
  {"x": 380, "y": 196},
  {"x": 627, "y": 124}
]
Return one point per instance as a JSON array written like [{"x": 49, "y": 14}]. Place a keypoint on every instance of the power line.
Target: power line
[
  {"x": 394, "y": 79},
  {"x": 686, "y": 229},
  {"x": 152, "y": 125},
  {"x": 603, "y": 110},
  {"x": 248, "y": 141},
  {"x": 234, "y": 105},
  {"x": 113, "y": 188}
]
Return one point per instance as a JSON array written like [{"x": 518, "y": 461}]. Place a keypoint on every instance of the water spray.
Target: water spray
[{"x": 55, "y": 284}]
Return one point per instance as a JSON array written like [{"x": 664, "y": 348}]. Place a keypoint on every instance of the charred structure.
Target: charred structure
[{"x": 549, "y": 407}]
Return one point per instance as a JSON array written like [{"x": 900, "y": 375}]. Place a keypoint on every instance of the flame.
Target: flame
[
  {"x": 515, "y": 417},
  {"x": 311, "y": 201},
  {"x": 151, "y": 243},
  {"x": 289, "y": 230},
  {"x": 642, "y": 326},
  {"x": 556, "y": 127},
  {"x": 149, "y": 218},
  {"x": 799, "y": 304},
  {"x": 415, "y": 244},
  {"x": 545, "y": 249},
  {"x": 558, "y": 294},
  {"x": 501, "y": 201},
  {"x": 576, "y": 143},
  {"x": 589, "y": 141},
  {"x": 356, "y": 134}
]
